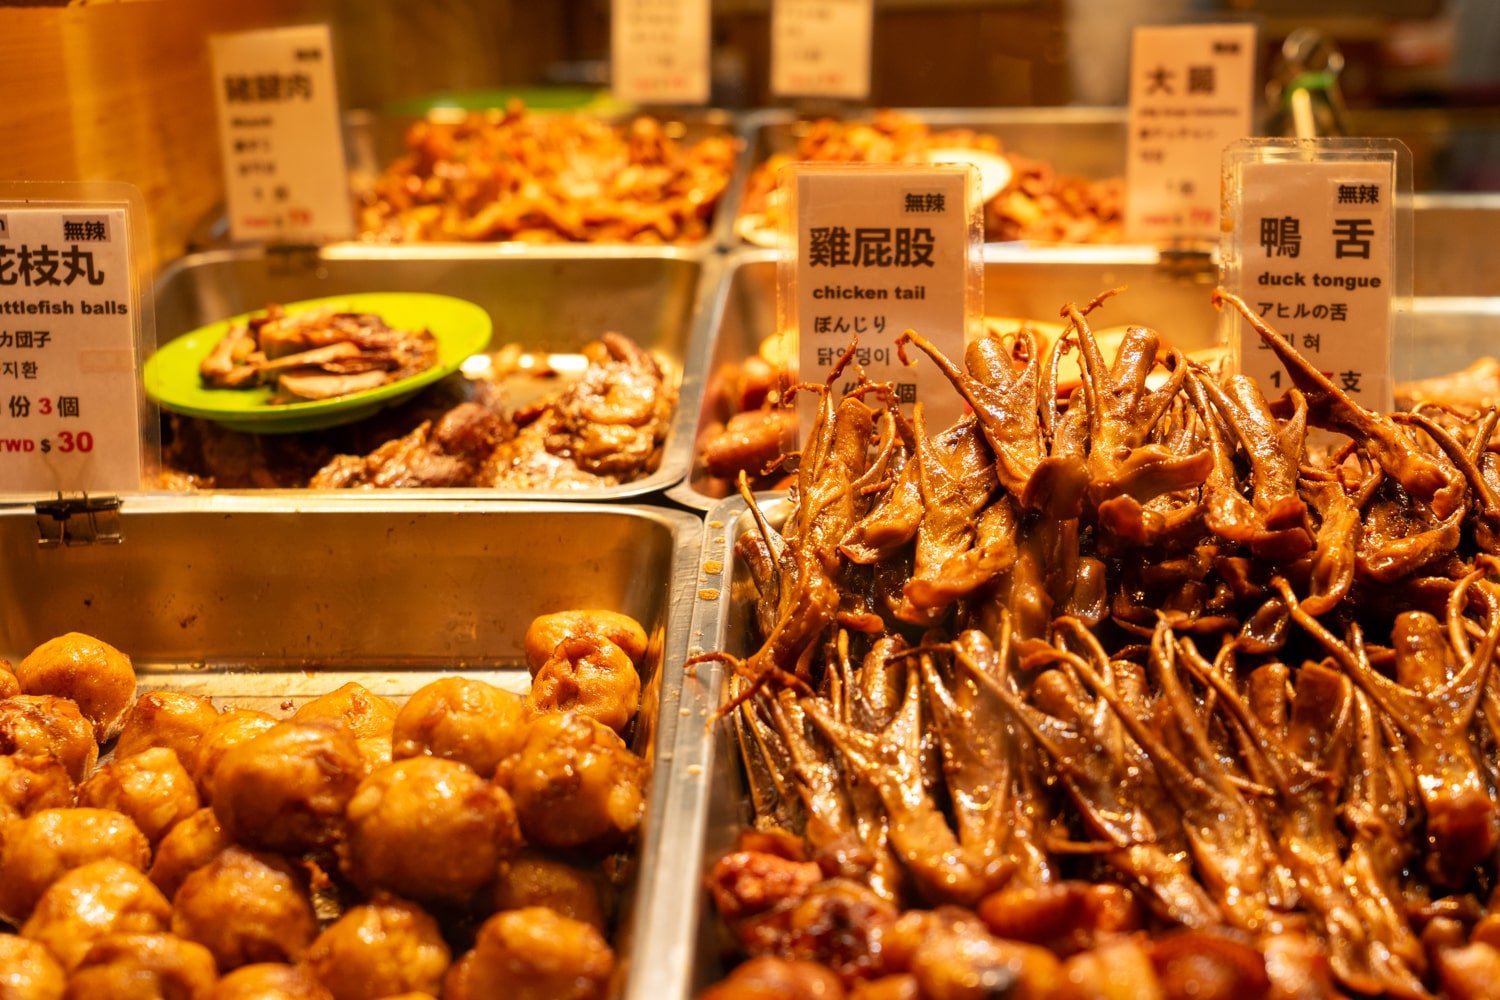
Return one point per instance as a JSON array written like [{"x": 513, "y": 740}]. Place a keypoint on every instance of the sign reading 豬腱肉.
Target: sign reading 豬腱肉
[
  {"x": 877, "y": 251},
  {"x": 69, "y": 400},
  {"x": 1315, "y": 255}
]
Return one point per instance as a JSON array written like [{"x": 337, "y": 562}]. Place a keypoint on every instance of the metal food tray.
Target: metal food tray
[
  {"x": 262, "y": 605},
  {"x": 552, "y": 299}
]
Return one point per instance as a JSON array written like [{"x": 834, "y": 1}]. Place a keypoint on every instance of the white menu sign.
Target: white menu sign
[
  {"x": 821, "y": 48},
  {"x": 284, "y": 172},
  {"x": 1191, "y": 94},
  {"x": 880, "y": 250},
  {"x": 659, "y": 51},
  {"x": 69, "y": 403},
  {"x": 1317, "y": 263}
]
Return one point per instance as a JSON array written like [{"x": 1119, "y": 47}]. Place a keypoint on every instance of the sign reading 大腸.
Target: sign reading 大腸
[
  {"x": 69, "y": 401},
  {"x": 821, "y": 48},
  {"x": 1313, "y": 251},
  {"x": 1191, "y": 95},
  {"x": 879, "y": 250},
  {"x": 659, "y": 51},
  {"x": 279, "y": 130}
]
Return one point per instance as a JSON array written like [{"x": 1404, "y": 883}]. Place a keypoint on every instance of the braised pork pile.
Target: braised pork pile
[
  {"x": 521, "y": 425},
  {"x": 1136, "y": 695},
  {"x": 316, "y": 354},
  {"x": 514, "y": 175}
]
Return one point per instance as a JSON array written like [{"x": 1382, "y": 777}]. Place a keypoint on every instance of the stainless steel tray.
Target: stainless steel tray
[
  {"x": 262, "y": 604},
  {"x": 547, "y": 299}
]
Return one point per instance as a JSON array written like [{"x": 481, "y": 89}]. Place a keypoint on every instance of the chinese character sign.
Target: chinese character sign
[
  {"x": 1191, "y": 94},
  {"x": 1314, "y": 255},
  {"x": 282, "y": 142},
  {"x": 821, "y": 48},
  {"x": 69, "y": 404},
  {"x": 659, "y": 51},
  {"x": 880, "y": 250}
]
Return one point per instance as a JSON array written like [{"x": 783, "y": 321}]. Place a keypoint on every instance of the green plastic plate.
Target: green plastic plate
[{"x": 171, "y": 375}]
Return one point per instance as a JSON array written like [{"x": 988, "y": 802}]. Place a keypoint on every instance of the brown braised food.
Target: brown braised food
[
  {"x": 1136, "y": 695},
  {"x": 351, "y": 850},
  {"x": 316, "y": 354},
  {"x": 548, "y": 178}
]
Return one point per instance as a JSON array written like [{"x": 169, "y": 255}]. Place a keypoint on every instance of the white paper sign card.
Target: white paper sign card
[
  {"x": 69, "y": 394},
  {"x": 821, "y": 48},
  {"x": 659, "y": 51},
  {"x": 285, "y": 176},
  {"x": 1191, "y": 94},
  {"x": 1314, "y": 248},
  {"x": 877, "y": 251}
]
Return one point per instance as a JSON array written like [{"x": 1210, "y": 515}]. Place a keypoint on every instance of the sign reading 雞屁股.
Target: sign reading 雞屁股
[
  {"x": 69, "y": 401},
  {"x": 879, "y": 250}
]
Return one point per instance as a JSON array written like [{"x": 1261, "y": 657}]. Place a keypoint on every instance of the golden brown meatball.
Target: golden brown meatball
[
  {"x": 270, "y": 981},
  {"x": 575, "y": 783},
  {"x": 368, "y": 717},
  {"x": 534, "y": 879},
  {"x": 101, "y": 898},
  {"x": 532, "y": 954},
  {"x": 589, "y": 675},
  {"x": 286, "y": 789},
  {"x": 768, "y": 978},
  {"x": 150, "y": 787},
  {"x": 380, "y": 950},
  {"x": 235, "y": 726},
  {"x": 91, "y": 672},
  {"x": 546, "y": 631},
  {"x": 43, "y": 724},
  {"x": 28, "y": 971},
  {"x": 245, "y": 907},
  {"x": 469, "y": 721},
  {"x": 31, "y": 782},
  {"x": 187, "y": 847},
  {"x": 428, "y": 829},
  {"x": 44, "y": 846},
  {"x": 143, "y": 967},
  {"x": 9, "y": 685},
  {"x": 167, "y": 719}
]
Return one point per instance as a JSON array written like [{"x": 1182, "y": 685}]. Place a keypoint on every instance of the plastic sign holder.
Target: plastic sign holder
[
  {"x": 821, "y": 48},
  {"x": 659, "y": 51},
  {"x": 1318, "y": 242},
  {"x": 76, "y": 321},
  {"x": 872, "y": 251},
  {"x": 285, "y": 177}
]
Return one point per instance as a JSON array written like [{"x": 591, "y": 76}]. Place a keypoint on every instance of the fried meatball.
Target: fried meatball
[
  {"x": 9, "y": 685},
  {"x": 270, "y": 981},
  {"x": 575, "y": 783},
  {"x": 286, "y": 789},
  {"x": 31, "y": 782},
  {"x": 368, "y": 717},
  {"x": 533, "y": 954},
  {"x": 235, "y": 726},
  {"x": 167, "y": 719},
  {"x": 380, "y": 950},
  {"x": 474, "y": 723},
  {"x": 187, "y": 847},
  {"x": 143, "y": 967},
  {"x": 28, "y": 970},
  {"x": 101, "y": 898},
  {"x": 91, "y": 672},
  {"x": 769, "y": 978},
  {"x": 429, "y": 829},
  {"x": 546, "y": 631},
  {"x": 151, "y": 787},
  {"x": 43, "y": 724},
  {"x": 592, "y": 676},
  {"x": 534, "y": 879},
  {"x": 44, "y": 846},
  {"x": 245, "y": 907}
]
